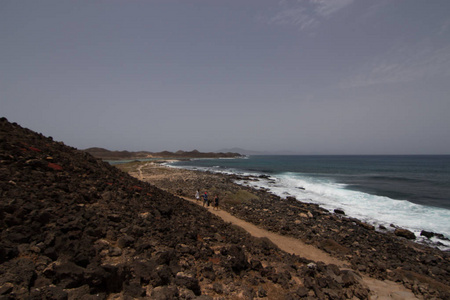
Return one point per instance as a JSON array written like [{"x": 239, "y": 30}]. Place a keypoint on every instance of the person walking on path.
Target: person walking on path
[
  {"x": 205, "y": 199},
  {"x": 197, "y": 195},
  {"x": 216, "y": 202}
]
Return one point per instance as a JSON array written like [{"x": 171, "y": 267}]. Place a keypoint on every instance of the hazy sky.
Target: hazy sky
[{"x": 309, "y": 76}]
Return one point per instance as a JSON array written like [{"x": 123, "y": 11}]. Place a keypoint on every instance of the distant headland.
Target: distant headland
[{"x": 120, "y": 155}]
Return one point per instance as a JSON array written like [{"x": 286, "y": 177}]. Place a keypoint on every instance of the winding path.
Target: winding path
[{"x": 380, "y": 290}]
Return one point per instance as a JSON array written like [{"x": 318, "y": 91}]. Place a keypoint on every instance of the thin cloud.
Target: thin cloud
[
  {"x": 296, "y": 17},
  {"x": 306, "y": 14},
  {"x": 328, "y": 7},
  {"x": 403, "y": 64}
]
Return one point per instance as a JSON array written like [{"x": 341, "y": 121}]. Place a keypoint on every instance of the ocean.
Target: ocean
[{"x": 411, "y": 192}]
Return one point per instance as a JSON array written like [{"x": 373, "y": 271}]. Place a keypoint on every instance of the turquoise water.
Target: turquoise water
[{"x": 412, "y": 192}]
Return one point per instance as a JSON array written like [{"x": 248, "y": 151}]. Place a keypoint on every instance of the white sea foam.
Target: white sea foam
[{"x": 376, "y": 210}]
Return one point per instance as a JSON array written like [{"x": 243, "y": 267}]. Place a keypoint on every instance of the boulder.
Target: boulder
[
  {"x": 405, "y": 233},
  {"x": 427, "y": 234},
  {"x": 339, "y": 211}
]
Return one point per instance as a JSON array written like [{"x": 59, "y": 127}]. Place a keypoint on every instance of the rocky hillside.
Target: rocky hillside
[
  {"x": 74, "y": 227},
  {"x": 117, "y": 155}
]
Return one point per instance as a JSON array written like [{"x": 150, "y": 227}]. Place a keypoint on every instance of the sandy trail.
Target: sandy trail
[
  {"x": 139, "y": 169},
  {"x": 379, "y": 289}
]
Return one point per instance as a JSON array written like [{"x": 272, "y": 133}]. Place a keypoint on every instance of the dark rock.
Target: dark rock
[
  {"x": 334, "y": 247},
  {"x": 236, "y": 258},
  {"x": 404, "y": 233},
  {"x": 339, "y": 212},
  {"x": 6, "y": 288},
  {"x": 189, "y": 282},
  {"x": 116, "y": 278},
  {"x": 255, "y": 265},
  {"x": 164, "y": 293},
  {"x": 68, "y": 274},
  {"x": 49, "y": 292},
  {"x": 218, "y": 288},
  {"x": 302, "y": 292},
  {"x": 125, "y": 241},
  {"x": 114, "y": 217},
  {"x": 81, "y": 292},
  {"x": 427, "y": 234},
  {"x": 162, "y": 275},
  {"x": 349, "y": 278},
  {"x": 366, "y": 226},
  {"x": 204, "y": 297},
  {"x": 96, "y": 276},
  {"x": 134, "y": 289},
  {"x": 441, "y": 236}
]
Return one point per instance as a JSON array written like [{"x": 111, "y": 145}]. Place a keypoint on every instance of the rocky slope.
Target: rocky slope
[{"x": 74, "y": 227}]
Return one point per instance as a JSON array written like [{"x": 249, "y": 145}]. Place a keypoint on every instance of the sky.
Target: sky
[{"x": 304, "y": 76}]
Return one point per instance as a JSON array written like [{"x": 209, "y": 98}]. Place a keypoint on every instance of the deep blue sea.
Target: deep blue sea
[{"x": 411, "y": 192}]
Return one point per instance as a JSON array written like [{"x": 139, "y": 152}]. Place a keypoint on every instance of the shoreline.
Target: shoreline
[
  {"x": 406, "y": 226},
  {"x": 379, "y": 255}
]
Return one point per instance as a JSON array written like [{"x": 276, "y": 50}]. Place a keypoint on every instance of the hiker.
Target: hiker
[
  {"x": 197, "y": 195},
  {"x": 216, "y": 202},
  {"x": 205, "y": 199}
]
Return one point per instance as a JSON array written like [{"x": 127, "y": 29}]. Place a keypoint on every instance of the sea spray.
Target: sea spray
[{"x": 376, "y": 210}]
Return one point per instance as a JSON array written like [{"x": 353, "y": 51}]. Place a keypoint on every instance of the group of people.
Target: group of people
[{"x": 206, "y": 200}]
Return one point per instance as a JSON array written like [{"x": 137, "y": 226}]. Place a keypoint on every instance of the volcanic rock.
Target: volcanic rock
[
  {"x": 404, "y": 233},
  {"x": 75, "y": 227}
]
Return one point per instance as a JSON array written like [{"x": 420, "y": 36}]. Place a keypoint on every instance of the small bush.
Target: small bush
[{"x": 240, "y": 197}]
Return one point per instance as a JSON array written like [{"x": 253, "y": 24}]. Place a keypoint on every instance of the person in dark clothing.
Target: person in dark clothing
[
  {"x": 216, "y": 202},
  {"x": 205, "y": 199}
]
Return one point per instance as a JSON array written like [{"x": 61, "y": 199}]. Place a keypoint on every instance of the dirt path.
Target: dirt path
[
  {"x": 288, "y": 244},
  {"x": 379, "y": 289},
  {"x": 139, "y": 169}
]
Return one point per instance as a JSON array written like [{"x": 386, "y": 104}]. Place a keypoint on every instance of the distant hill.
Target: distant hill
[
  {"x": 251, "y": 152},
  {"x": 117, "y": 155},
  {"x": 243, "y": 151}
]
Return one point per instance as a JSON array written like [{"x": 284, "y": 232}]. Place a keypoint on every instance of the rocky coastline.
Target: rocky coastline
[
  {"x": 385, "y": 254},
  {"x": 75, "y": 227}
]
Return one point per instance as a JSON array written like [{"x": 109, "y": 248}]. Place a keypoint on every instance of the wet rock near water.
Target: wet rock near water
[{"x": 74, "y": 227}]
